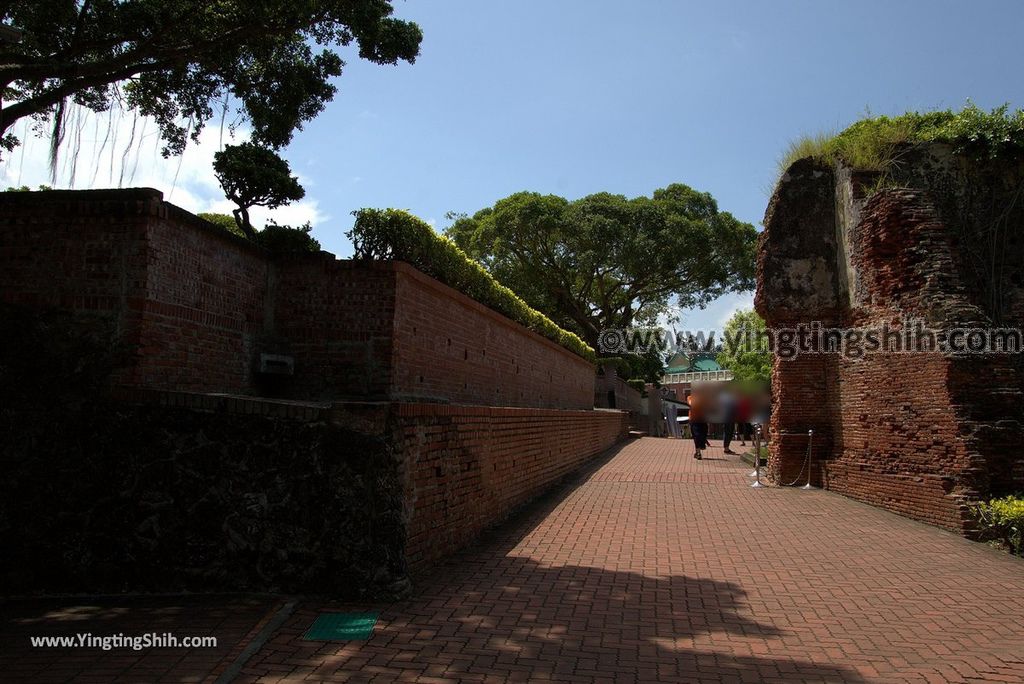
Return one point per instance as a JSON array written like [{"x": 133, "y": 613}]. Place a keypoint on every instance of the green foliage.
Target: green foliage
[
  {"x": 1003, "y": 519},
  {"x": 745, "y": 348},
  {"x": 25, "y": 188},
  {"x": 288, "y": 240},
  {"x": 639, "y": 384},
  {"x": 874, "y": 143},
  {"x": 388, "y": 234},
  {"x": 274, "y": 238},
  {"x": 175, "y": 60},
  {"x": 222, "y": 221},
  {"x": 622, "y": 365},
  {"x": 605, "y": 261},
  {"x": 254, "y": 176}
]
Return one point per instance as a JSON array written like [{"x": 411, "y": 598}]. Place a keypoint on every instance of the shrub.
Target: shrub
[
  {"x": 638, "y": 384},
  {"x": 222, "y": 221},
  {"x": 391, "y": 234},
  {"x": 287, "y": 240},
  {"x": 1003, "y": 519},
  {"x": 273, "y": 238}
]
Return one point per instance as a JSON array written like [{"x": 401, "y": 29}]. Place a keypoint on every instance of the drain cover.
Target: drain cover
[{"x": 341, "y": 627}]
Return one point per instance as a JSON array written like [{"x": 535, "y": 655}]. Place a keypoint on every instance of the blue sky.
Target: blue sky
[{"x": 578, "y": 96}]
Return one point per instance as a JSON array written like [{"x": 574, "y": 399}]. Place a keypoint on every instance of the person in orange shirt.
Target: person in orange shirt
[{"x": 698, "y": 421}]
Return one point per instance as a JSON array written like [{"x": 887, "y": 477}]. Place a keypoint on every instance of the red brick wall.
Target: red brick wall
[
  {"x": 468, "y": 467},
  {"x": 206, "y": 294},
  {"x": 197, "y": 306},
  {"x": 186, "y": 300},
  {"x": 81, "y": 251},
  {"x": 336, "y": 319},
  {"x": 626, "y": 398},
  {"x": 799, "y": 390},
  {"x": 452, "y": 348}
]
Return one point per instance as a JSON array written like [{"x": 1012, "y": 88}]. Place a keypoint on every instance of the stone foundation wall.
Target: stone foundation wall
[{"x": 198, "y": 493}]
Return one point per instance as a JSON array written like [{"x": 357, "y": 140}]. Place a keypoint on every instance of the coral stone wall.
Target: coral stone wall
[
  {"x": 173, "y": 491},
  {"x": 923, "y": 434}
]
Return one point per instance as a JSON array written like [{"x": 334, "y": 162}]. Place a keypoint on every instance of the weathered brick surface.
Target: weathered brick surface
[
  {"x": 609, "y": 385},
  {"x": 923, "y": 434},
  {"x": 206, "y": 294},
  {"x": 187, "y": 299}
]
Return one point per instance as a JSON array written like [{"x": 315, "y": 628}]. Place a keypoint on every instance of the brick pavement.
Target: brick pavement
[
  {"x": 657, "y": 567},
  {"x": 654, "y": 567}
]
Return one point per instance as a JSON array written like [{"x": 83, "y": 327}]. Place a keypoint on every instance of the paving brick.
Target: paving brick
[
  {"x": 655, "y": 567},
  {"x": 650, "y": 566}
]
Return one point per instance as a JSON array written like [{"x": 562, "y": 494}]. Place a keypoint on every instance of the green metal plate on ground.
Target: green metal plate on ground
[{"x": 341, "y": 627}]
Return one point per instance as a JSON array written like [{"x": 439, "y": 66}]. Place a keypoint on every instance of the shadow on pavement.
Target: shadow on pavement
[{"x": 485, "y": 612}]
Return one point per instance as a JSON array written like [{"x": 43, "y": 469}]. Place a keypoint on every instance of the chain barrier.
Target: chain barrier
[{"x": 806, "y": 465}]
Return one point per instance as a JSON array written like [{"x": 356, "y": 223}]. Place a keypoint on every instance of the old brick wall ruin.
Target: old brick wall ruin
[{"x": 939, "y": 240}]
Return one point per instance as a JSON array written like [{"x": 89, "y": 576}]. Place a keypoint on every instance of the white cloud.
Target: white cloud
[
  {"x": 712, "y": 317},
  {"x": 118, "y": 149}
]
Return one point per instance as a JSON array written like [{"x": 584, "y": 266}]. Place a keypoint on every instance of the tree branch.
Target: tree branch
[{"x": 12, "y": 113}]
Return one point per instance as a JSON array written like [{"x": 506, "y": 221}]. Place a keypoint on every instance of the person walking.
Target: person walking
[
  {"x": 698, "y": 422},
  {"x": 727, "y": 406},
  {"x": 744, "y": 411}
]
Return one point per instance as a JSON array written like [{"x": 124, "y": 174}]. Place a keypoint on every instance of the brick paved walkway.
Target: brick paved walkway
[{"x": 656, "y": 567}]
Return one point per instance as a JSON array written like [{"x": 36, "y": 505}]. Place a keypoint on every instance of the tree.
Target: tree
[
  {"x": 253, "y": 176},
  {"x": 608, "y": 262},
  {"x": 174, "y": 59},
  {"x": 745, "y": 347}
]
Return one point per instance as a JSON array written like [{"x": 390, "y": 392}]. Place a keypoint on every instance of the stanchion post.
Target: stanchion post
[
  {"x": 757, "y": 457},
  {"x": 757, "y": 453},
  {"x": 810, "y": 456}
]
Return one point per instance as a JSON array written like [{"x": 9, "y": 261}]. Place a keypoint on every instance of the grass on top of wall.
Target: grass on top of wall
[{"x": 875, "y": 143}]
